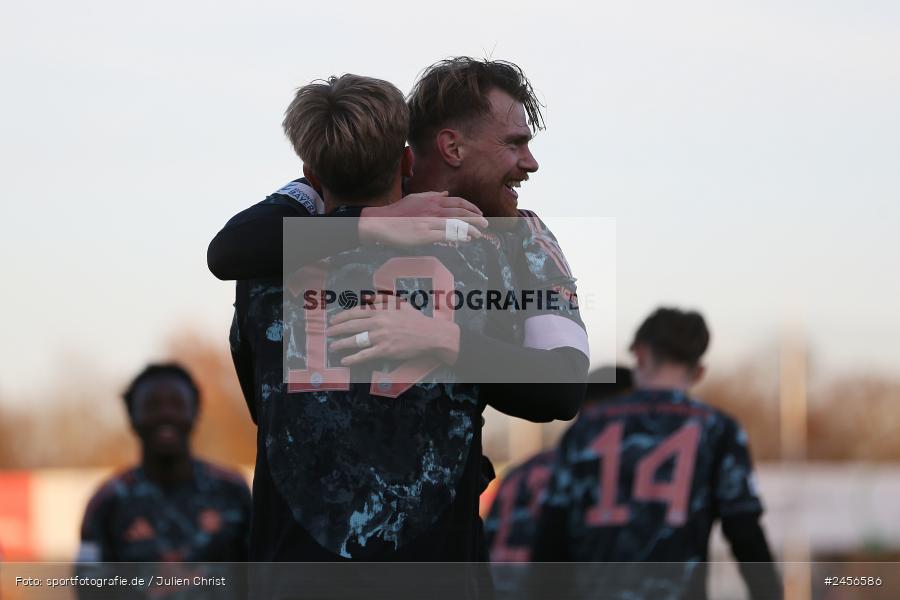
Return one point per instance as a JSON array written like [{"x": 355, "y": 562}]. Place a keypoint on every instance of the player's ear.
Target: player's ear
[
  {"x": 640, "y": 356},
  {"x": 697, "y": 374},
  {"x": 313, "y": 180},
  {"x": 406, "y": 162},
  {"x": 449, "y": 146}
]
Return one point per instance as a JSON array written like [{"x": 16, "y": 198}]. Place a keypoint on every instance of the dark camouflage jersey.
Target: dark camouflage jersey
[
  {"x": 537, "y": 258},
  {"x": 538, "y": 263},
  {"x": 512, "y": 521},
  {"x": 132, "y": 519},
  {"x": 364, "y": 470},
  {"x": 644, "y": 477}
]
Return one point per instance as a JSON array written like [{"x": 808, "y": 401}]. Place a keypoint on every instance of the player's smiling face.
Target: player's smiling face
[
  {"x": 163, "y": 416},
  {"x": 496, "y": 158}
]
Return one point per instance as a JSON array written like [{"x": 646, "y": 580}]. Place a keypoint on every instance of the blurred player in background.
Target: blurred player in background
[
  {"x": 642, "y": 478},
  {"x": 172, "y": 506},
  {"x": 512, "y": 521}
]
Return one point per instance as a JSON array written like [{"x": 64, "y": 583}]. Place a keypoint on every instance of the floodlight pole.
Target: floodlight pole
[{"x": 793, "y": 404}]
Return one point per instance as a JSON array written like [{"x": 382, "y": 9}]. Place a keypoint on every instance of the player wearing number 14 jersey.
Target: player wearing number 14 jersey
[{"x": 642, "y": 478}]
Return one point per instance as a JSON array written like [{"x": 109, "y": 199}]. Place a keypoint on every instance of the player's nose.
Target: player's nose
[{"x": 528, "y": 162}]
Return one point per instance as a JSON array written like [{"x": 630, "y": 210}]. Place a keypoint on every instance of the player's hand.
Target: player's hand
[
  {"x": 396, "y": 331},
  {"x": 418, "y": 219}
]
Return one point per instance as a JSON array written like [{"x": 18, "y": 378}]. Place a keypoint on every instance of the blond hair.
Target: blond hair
[{"x": 350, "y": 132}]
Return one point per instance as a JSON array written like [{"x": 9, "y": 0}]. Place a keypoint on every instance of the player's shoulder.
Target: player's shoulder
[
  {"x": 622, "y": 405},
  {"x": 719, "y": 426},
  {"x": 713, "y": 414},
  {"x": 542, "y": 459},
  {"x": 649, "y": 403},
  {"x": 590, "y": 420},
  {"x": 221, "y": 475},
  {"x": 531, "y": 226},
  {"x": 539, "y": 248},
  {"x": 297, "y": 193},
  {"x": 113, "y": 488},
  {"x": 729, "y": 428},
  {"x": 120, "y": 482},
  {"x": 527, "y": 214},
  {"x": 294, "y": 199}
]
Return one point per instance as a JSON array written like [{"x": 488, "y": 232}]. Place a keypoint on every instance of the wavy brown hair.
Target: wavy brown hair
[{"x": 453, "y": 93}]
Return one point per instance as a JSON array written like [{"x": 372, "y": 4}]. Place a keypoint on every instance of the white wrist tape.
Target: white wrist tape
[{"x": 456, "y": 230}]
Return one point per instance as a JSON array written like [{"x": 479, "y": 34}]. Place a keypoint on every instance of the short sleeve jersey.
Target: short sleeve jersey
[
  {"x": 132, "y": 519},
  {"x": 540, "y": 265}
]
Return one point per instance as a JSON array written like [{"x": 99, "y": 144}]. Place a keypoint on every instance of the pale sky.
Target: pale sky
[{"x": 748, "y": 151}]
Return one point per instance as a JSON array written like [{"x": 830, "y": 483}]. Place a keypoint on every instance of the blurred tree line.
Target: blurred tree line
[
  {"x": 79, "y": 420},
  {"x": 850, "y": 417}
]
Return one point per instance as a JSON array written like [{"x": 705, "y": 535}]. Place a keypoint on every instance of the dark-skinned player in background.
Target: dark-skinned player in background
[
  {"x": 512, "y": 520},
  {"x": 172, "y": 507},
  {"x": 643, "y": 478}
]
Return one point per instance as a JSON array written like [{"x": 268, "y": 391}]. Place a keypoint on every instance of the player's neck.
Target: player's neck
[
  {"x": 167, "y": 471},
  {"x": 664, "y": 379},
  {"x": 654, "y": 374},
  {"x": 428, "y": 179},
  {"x": 664, "y": 387},
  {"x": 333, "y": 201}
]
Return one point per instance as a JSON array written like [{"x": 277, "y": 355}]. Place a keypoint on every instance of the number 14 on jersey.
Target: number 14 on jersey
[{"x": 680, "y": 446}]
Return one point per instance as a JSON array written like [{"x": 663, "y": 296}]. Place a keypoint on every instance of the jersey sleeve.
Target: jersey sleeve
[
  {"x": 543, "y": 262},
  {"x": 250, "y": 245},
  {"x": 735, "y": 490},
  {"x": 540, "y": 267}
]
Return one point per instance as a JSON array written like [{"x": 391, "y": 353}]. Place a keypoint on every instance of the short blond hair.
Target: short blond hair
[{"x": 350, "y": 132}]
